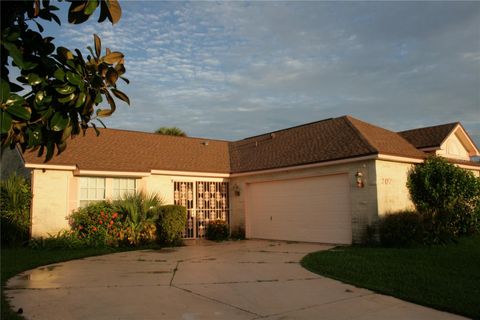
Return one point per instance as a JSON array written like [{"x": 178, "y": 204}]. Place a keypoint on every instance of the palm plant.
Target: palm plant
[
  {"x": 140, "y": 211},
  {"x": 15, "y": 209},
  {"x": 171, "y": 131}
]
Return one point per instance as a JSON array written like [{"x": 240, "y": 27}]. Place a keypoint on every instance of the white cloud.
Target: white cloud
[{"x": 250, "y": 66}]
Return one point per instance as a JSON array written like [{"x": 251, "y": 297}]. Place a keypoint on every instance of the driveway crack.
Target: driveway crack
[
  {"x": 218, "y": 301},
  {"x": 175, "y": 271}
]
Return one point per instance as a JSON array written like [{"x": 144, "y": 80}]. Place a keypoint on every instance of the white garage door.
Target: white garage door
[{"x": 308, "y": 209}]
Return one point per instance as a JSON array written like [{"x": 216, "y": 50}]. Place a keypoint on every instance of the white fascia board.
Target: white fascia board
[
  {"x": 49, "y": 166},
  {"x": 306, "y": 166},
  {"x": 110, "y": 173},
  {"x": 399, "y": 159},
  {"x": 191, "y": 174}
]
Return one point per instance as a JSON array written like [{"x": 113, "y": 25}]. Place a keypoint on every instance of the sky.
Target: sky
[{"x": 230, "y": 70}]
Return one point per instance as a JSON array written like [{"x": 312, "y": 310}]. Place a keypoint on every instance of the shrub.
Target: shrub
[
  {"x": 400, "y": 229},
  {"x": 447, "y": 197},
  {"x": 15, "y": 199},
  {"x": 217, "y": 230},
  {"x": 63, "y": 239},
  {"x": 140, "y": 211},
  {"x": 171, "y": 223},
  {"x": 97, "y": 225},
  {"x": 238, "y": 233}
]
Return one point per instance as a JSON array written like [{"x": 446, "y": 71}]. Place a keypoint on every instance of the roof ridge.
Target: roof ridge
[
  {"x": 429, "y": 127},
  {"x": 164, "y": 135},
  {"x": 348, "y": 120},
  {"x": 285, "y": 129}
]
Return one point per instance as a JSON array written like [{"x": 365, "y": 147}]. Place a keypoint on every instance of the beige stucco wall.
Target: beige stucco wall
[
  {"x": 50, "y": 202},
  {"x": 56, "y": 195},
  {"x": 392, "y": 191},
  {"x": 453, "y": 148},
  {"x": 363, "y": 201}
]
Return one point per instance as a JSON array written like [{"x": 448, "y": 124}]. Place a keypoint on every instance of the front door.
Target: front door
[{"x": 205, "y": 201}]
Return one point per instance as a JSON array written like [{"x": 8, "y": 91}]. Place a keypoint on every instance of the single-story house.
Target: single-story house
[{"x": 324, "y": 181}]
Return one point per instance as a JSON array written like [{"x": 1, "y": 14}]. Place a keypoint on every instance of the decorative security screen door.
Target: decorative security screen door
[{"x": 205, "y": 201}]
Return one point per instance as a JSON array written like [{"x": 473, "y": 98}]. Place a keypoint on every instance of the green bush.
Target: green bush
[
  {"x": 399, "y": 229},
  {"x": 447, "y": 197},
  {"x": 140, "y": 211},
  {"x": 62, "y": 240},
  {"x": 217, "y": 230},
  {"x": 171, "y": 224},
  {"x": 238, "y": 233},
  {"x": 15, "y": 197},
  {"x": 96, "y": 225}
]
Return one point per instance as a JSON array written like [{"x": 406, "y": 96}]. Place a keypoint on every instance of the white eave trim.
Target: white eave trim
[
  {"x": 191, "y": 174},
  {"x": 110, "y": 173},
  {"x": 466, "y": 166},
  {"x": 330, "y": 163},
  {"x": 49, "y": 166},
  {"x": 399, "y": 159}
]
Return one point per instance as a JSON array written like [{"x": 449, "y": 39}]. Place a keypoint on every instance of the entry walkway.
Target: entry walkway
[{"x": 231, "y": 280}]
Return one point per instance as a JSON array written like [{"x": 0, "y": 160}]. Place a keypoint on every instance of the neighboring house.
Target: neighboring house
[{"x": 321, "y": 182}]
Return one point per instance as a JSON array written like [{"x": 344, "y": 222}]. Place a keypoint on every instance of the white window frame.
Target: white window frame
[
  {"x": 109, "y": 187},
  {"x": 118, "y": 190},
  {"x": 88, "y": 184}
]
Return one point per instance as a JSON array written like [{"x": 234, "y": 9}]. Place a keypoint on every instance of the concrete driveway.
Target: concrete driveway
[{"x": 232, "y": 280}]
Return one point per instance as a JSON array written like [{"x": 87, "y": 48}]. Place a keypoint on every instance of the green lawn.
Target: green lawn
[
  {"x": 16, "y": 260},
  {"x": 443, "y": 277}
]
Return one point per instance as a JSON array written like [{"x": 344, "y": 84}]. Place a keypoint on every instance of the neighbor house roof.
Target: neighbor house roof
[
  {"x": 130, "y": 151},
  {"x": 429, "y": 137},
  {"x": 326, "y": 140}
]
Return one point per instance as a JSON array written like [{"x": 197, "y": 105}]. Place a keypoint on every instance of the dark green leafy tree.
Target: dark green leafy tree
[
  {"x": 60, "y": 90},
  {"x": 447, "y": 197},
  {"x": 171, "y": 131}
]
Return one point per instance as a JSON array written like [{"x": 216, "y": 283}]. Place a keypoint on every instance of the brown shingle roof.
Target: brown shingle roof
[
  {"x": 385, "y": 141},
  {"x": 120, "y": 150},
  {"x": 429, "y": 137},
  {"x": 326, "y": 140}
]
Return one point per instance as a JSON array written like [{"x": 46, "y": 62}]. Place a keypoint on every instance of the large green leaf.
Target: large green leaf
[
  {"x": 65, "y": 89},
  {"x": 73, "y": 78},
  {"x": 68, "y": 98},
  {"x": 59, "y": 121},
  {"x": 91, "y": 6},
  {"x": 80, "y": 100},
  {"x": 19, "y": 111},
  {"x": 34, "y": 136},
  {"x": 5, "y": 122},
  {"x": 59, "y": 74},
  {"x": 5, "y": 90},
  {"x": 34, "y": 79}
]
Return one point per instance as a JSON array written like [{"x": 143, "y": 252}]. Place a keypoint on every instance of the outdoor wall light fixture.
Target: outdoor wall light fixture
[
  {"x": 359, "y": 179},
  {"x": 236, "y": 190}
]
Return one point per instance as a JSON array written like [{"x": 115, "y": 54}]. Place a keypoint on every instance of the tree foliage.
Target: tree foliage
[
  {"x": 171, "y": 131},
  {"x": 447, "y": 197},
  {"x": 15, "y": 199},
  {"x": 61, "y": 91}
]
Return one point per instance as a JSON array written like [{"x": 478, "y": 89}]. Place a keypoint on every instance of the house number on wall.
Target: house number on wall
[{"x": 387, "y": 180}]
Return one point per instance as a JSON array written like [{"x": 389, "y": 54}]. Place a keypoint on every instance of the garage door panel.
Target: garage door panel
[{"x": 308, "y": 209}]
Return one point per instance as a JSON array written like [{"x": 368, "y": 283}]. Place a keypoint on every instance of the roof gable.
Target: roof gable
[
  {"x": 441, "y": 138},
  {"x": 428, "y": 137}
]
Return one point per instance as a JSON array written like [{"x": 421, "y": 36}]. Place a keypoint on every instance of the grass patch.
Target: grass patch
[
  {"x": 16, "y": 260},
  {"x": 442, "y": 277}
]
